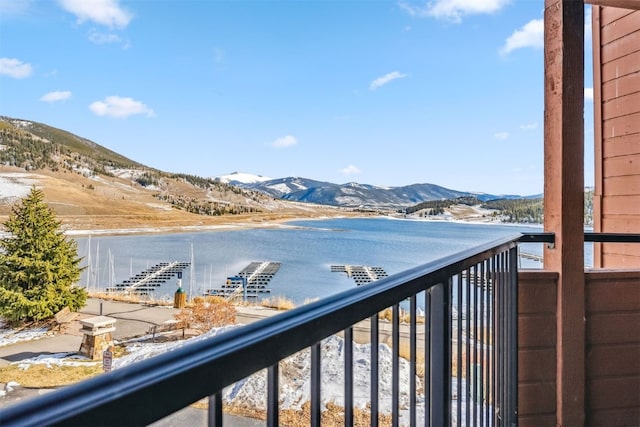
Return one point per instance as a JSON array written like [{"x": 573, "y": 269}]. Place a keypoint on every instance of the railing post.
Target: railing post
[
  {"x": 215, "y": 410},
  {"x": 316, "y": 385},
  {"x": 413, "y": 338},
  {"x": 348, "y": 377},
  {"x": 273, "y": 385},
  {"x": 440, "y": 360},
  {"x": 512, "y": 416},
  {"x": 395, "y": 366},
  {"x": 374, "y": 369}
]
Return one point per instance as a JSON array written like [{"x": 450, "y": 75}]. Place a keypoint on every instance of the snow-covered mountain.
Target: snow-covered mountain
[
  {"x": 241, "y": 178},
  {"x": 351, "y": 194}
]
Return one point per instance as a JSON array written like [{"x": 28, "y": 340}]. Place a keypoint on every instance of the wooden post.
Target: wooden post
[{"x": 564, "y": 196}]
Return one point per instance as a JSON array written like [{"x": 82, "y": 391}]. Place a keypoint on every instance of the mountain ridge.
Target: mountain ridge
[
  {"x": 351, "y": 194},
  {"x": 91, "y": 187},
  {"x": 90, "y": 184}
]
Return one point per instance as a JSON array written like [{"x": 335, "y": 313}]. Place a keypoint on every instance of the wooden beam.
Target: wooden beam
[
  {"x": 597, "y": 132},
  {"x": 625, "y": 4},
  {"x": 564, "y": 196}
]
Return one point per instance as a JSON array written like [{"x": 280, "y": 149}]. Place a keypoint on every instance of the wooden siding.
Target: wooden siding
[
  {"x": 613, "y": 348},
  {"x": 616, "y": 53},
  {"x": 537, "y": 302}
]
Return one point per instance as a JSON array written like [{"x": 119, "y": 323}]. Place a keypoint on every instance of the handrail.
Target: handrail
[
  {"x": 149, "y": 390},
  {"x": 589, "y": 236},
  {"x": 611, "y": 237}
]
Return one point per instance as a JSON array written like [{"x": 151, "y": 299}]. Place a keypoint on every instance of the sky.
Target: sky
[{"x": 387, "y": 93}]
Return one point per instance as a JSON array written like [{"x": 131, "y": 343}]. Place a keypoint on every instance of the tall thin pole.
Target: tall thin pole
[{"x": 191, "y": 274}]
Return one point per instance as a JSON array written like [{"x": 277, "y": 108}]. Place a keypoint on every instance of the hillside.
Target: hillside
[{"x": 91, "y": 187}]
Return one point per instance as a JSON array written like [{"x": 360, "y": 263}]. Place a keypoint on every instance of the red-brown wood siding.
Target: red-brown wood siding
[
  {"x": 613, "y": 348},
  {"x": 616, "y": 46},
  {"x": 537, "y": 302}
]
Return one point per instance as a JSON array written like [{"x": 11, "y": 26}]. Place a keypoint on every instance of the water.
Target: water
[{"x": 306, "y": 252}]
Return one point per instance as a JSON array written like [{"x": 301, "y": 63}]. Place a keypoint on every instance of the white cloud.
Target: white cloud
[
  {"x": 350, "y": 170},
  {"x": 103, "y": 38},
  {"x": 588, "y": 94},
  {"x": 56, "y": 96},
  {"x": 381, "y": 81},
  {"x": 502, "y": 135},
  {"x": 530, "y": 35},
  {"x": 15, "y": 68},
  {"x": 529, "y": 126},
  {"x": 454, "y": 10},
  {"x": 103, "y": 12},
  {"x": 285, "y": 141},
  {"x": 116, "y": 106}
]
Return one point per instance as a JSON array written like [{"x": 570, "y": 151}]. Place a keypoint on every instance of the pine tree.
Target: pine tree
[{"x": 38, "y": 265}]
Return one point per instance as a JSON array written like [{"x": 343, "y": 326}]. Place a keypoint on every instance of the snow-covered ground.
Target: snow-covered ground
[
  {"x": 14, "y": 186},
  {"x": 10, "y": 336},
  {"x": 252, "y": 391}
]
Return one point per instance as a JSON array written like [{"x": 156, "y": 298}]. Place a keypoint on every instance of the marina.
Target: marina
[
  {"x": 150, "y": 279},
  {"x": 361, "y": 274},
  {"x": 304, "y": 256},
  {"x": 252, "y": 282}
]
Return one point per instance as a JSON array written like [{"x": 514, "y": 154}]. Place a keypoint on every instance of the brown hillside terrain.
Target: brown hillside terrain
[{"x": 111, "y": 203}]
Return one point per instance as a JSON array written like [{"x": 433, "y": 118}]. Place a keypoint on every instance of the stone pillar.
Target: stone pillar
[{"x": 97, "y": 336}]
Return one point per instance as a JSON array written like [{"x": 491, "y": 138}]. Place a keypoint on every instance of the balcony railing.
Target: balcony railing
[{"x": 459, "y": 324}]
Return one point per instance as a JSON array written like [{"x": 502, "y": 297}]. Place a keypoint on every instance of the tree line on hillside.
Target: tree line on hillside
[
  {"x": 520, "y": 210},
  {"x": 31, "y": 152},
  {"x": 205, "y": 207},
  {"x": 23, "y": 151}
]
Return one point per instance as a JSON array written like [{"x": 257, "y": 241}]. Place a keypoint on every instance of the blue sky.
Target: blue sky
[{"x": 388, "y": 93}]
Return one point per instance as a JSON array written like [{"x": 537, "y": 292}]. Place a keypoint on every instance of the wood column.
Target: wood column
[
  {"x": 597, "y": 132},
  {"x": 564, "y": 196}
]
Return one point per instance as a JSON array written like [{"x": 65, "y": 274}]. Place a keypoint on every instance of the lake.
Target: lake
[{"x": 306, "y": 249}]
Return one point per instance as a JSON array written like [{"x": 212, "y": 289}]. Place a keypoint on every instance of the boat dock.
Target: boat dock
[
  {"x": 361, "y": 274},
  {"x": 150, "y": 279},
  {"x": 251, "y": 282}
]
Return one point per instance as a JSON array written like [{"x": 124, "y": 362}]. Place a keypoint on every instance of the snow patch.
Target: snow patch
[
  {"x": 15, "y": 186},
  {"x": 244, "y": 178}
]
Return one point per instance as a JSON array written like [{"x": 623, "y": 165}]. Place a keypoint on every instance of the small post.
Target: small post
[
  {"x": 107, "y": 359},
  {"x": 180, "y": 297},
  {"x": 244, "y": 289}
]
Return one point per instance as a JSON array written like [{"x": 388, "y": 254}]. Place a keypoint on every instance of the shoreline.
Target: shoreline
[{"x": 281, "y": 223}]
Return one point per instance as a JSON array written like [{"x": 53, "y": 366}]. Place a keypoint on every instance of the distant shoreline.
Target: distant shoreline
[{"x": 276, "y": 223}]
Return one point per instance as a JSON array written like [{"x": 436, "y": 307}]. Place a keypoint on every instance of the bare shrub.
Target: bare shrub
[
  {"x": 279, "y": 303},
  {"x": 205, "y": 313}
]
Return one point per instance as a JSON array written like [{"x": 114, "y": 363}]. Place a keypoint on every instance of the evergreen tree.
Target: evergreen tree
[{"x": 38, "y": 265}]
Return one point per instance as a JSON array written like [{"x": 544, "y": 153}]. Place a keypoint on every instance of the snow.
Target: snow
[
  {"x": 10, "y": 336},
  {"x": 294, "y": 373},
  {"x": 14, "y": 186},
  {"x": 282, "y": 188},
  {"x": 244, "y": 178}
]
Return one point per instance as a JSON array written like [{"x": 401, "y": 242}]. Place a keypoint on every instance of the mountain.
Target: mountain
[
  {"x": 351, "y": 194},
  {"x": 240, "y": 178},
  {"x": 92, "y": 187}
]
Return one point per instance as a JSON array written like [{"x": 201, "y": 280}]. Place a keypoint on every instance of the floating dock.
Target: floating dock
[
  {"x": 150, "y": 279},
  {"x": 251, "y": 282},
  {"x": 361, "y": 274}
]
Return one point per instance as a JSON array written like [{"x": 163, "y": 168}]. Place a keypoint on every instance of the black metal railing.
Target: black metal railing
[{"x": 458, "y": 316}]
